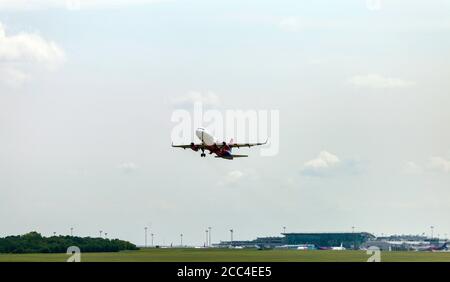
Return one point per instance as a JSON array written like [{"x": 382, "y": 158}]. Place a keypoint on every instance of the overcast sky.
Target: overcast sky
[{"x": 87, "y": 91}]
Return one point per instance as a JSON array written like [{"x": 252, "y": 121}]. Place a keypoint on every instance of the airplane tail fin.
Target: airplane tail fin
[{"x": 231, "y": 144}]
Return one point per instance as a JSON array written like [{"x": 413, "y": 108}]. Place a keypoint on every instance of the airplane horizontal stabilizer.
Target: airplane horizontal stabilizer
[{"x": 230, "y": 157}]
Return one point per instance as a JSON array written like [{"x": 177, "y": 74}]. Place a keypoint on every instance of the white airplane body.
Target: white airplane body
[
  {"x": 210, "y": 143},
  {"x": 340, "y": 248}
]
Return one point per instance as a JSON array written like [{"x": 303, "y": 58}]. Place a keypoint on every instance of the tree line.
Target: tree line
[{"x": 34, "y": 242}]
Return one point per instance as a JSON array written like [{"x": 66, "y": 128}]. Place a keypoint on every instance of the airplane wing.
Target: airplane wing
[
  {"x": 198, "y": 146},
  {"x": 238, "y": 145}
]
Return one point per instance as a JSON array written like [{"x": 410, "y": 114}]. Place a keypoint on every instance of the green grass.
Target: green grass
[{"x": 230, "y": 255}]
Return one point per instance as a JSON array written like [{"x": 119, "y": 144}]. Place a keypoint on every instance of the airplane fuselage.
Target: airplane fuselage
[{"x": 210, "y": 144}]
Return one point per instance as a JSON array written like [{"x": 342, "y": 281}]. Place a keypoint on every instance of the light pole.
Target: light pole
[
  {"x": 100, "y": 233},
  {"x": 432, "y": 231},
  {"x": 231, "y": 235},
  {"x": 354, "y": 239},
  {"x": 284, "y": 229},
  {"x": 152, "y": 238},
  {"x": 181, "y": 239},
  {"x": 209, "y": 232},
  {"x": 206, "y": 242},
  {"x": 71, "y": 231},
  {"x": 145, "y": 228}
]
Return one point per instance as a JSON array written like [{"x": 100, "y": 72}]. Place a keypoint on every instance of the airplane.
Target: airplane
[
  {"x": 306, "y": 247},
  {"x": 433, "y": 248},
  {"x": 263, "y": 247},
  {"x": 442, "y": 248},
  {"x": 210, "y": 143},
  {"x": 338, "y": 248},
  {"x": 298, "y": 247},
  {"x": 430, "y": 247}
]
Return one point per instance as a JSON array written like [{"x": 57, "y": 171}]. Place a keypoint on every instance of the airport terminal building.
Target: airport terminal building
[{"x": 348, "y": 240}]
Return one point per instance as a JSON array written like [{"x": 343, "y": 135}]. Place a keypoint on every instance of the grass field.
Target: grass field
[{"x": 231, "y": 255}]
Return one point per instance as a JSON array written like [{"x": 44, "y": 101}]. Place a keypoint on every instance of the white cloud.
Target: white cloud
[
  {"x": 416, "y": 24},
  {"x": 295, "y": 24},
  {"x": 378, "y": 81},
  {"x": 323, "y": 160},
  {"x": 208, "y": 99},
  {"x": 11, "y": 77},
  {"x": 77, "y": 172},
  {"x": 439, "y": 164},
  {"x": 235, "y": 175},
  {"x": 290, "y": 24},
  {"x": 21, "y": 51},
  {"x": 412, "y": 168},
  {"x": 373, "y": 5},
  {"x": 316, "y": 61},
  {"x": 70, "y": 4},
  {"x": 232, "y": 178},
  {"x": 29, "y": 47},
  {"x": 128, "y": 167},
  {"x": 287, "y": 182},
  {"x": 323, "y": 163}
]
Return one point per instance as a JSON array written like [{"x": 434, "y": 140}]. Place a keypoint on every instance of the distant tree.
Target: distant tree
[{"x": 34, "y": 242}]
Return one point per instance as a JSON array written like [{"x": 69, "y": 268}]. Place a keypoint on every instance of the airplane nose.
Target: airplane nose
[{"x": 199, "y": 133}]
